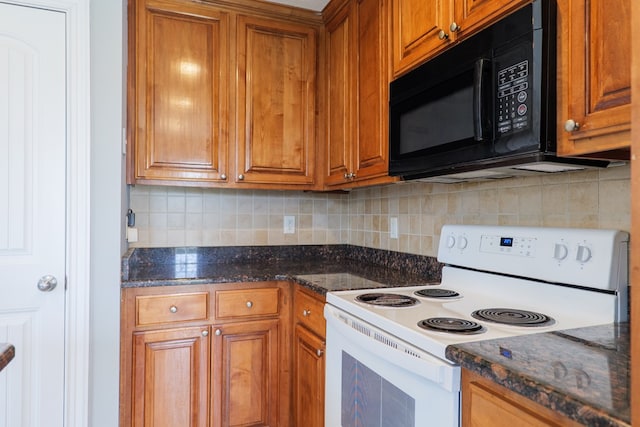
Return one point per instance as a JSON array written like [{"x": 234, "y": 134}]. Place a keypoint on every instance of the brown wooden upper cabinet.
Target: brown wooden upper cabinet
[
  {"x": 221, "y": 98},
  {"x": 356, "y": 93},
  {"x": 594, "y": 113},
  {"x": 421, "y": 29},
  {"x": 275, "y": 101},
  {"x": 178, "y": 93}
]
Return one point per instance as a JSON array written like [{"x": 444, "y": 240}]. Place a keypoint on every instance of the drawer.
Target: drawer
[
  {"x": 247, "y": 303},
  {"x": 309, "y": 311},
  {"x": 184, "y": 307}
]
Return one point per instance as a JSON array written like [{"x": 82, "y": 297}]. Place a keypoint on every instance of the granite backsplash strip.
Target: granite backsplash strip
[{"x": 159, "y": 262}]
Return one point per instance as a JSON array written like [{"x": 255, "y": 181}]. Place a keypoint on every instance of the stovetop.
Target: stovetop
[{"x": 477, "y": 290}]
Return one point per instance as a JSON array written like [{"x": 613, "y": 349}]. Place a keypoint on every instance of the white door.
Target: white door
[{"x": 32, "y": 213}]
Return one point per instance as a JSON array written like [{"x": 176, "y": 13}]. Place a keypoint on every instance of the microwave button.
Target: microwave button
[
  {"x": 522, "y": 109},
  {"x": 521, "y": 125},
  {"x": 504, "y": 129},
  {"x": 522, "y": 96},
  {"x": 520, "y": 119},
  {"x": 519, "y": 81}
]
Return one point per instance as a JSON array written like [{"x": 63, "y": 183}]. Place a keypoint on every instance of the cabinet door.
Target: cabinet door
[
  {"x": 275, "y": 102},
  {"x": 245, "y": 374},
  {"x": 595, "y": 76},
  {"x": 486, "y": 404},
  {"x": 180, "y": 99},
  {"x": 472, "y": 15},
  {"x": 415, "y": 28},
  {"x": 171, "y": 377},
  {"x": 308, "y": 372},
  {"x": 372, "y": 76},
  {"x": 340, "y": 135}
]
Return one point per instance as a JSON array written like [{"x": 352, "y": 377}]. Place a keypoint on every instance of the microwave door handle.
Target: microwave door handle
[{"x": 479, "y": 81}]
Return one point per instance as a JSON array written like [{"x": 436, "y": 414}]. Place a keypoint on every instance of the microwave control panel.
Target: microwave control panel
[{"x": 513, "y": 98}]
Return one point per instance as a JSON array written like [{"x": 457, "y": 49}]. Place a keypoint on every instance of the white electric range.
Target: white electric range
[{"x": 386, "y": 361}]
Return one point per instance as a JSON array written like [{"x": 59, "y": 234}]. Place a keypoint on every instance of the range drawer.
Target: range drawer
[
  {"x": 247, "y": 303},
  {"x": 309, "y": 311},
  {"x": 183, "y": 307}
]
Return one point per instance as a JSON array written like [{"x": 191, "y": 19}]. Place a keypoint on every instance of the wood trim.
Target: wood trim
[{"x": 635, "y": 216}]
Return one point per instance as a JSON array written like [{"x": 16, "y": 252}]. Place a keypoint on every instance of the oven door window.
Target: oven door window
[{"x": 370, "y": 400}]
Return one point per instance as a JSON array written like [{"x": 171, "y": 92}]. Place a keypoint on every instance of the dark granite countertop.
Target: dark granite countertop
[
  {"x": 582, "y": 373},
  {"x": 7, "y": 352},
  {"x": 321, "y": 268}
]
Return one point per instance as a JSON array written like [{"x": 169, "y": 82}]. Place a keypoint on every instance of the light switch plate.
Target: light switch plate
[{"x": 289, "y": 224}]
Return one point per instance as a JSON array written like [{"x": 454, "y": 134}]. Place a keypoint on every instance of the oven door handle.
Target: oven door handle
[{"x": 406, "y": 356}]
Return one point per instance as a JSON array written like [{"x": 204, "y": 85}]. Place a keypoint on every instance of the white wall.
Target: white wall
[{"x": 108, "y": 50}]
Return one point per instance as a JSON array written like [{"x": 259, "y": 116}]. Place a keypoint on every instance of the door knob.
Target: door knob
[{"x": 47, "y": 283}]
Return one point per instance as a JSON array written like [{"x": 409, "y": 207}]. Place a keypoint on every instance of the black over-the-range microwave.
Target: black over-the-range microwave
[{"x": 485, "y": 108}]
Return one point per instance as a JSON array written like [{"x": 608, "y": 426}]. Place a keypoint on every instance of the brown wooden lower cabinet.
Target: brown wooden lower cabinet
[
  {"x": 308, "y": 358},
  {"x": 206, "y": 355},
  {"x": 308, "y": 383},
  {"x": 487, "y": 404},
  {"x": 245, "y": 374},
  {"x": 171, "y": 377}
]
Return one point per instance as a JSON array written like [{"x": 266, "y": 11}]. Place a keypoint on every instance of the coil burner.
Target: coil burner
[
  {"x": 452, "y": 325},
  {"x": 438, "y": 293},
  {"x": 387, "y": 300},
  {"x": 515, "y": 317}
]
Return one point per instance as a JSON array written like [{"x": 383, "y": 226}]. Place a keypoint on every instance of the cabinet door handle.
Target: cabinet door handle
[
  {"x": 454, "y": 27},
  {"x": 442, "y": 35},
  {"x": 205, "y": 333},
  {"x": 306, "y": 313},
  {"x": 319, "y": 352},
  {"x": 240, "y": 177},
  {"x": 173, "y": 309},
  {"x": 218, "y": 332},
  {"x": 249, "y": 304},
  {"x": 571, "y": 125},
  {"x": 223, "y": 176}
]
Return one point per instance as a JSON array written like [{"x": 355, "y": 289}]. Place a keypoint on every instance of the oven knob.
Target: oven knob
[
  {"x": 451, "y": 242},
  {"x": 560, "y": 251},
  {"x": 584, "y": 254},
  {"x": 462, "y": 242}
]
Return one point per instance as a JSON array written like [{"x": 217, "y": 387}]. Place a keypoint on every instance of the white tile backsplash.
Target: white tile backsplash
[{"x": 174, "y": 216}]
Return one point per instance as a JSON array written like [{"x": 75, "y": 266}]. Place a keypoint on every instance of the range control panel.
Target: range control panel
[
  {"x": 584, "y": 257},
  {"x": 509, "y": 245}
]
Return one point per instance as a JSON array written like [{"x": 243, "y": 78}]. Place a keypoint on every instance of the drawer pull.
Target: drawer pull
[
  {"x": 173, "y": 309},
  {"x": 306, "y": 313},
  {"x": 249, "y": 304}
]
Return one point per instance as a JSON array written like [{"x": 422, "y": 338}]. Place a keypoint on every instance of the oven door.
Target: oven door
[{"x": 374, "y": 379}]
